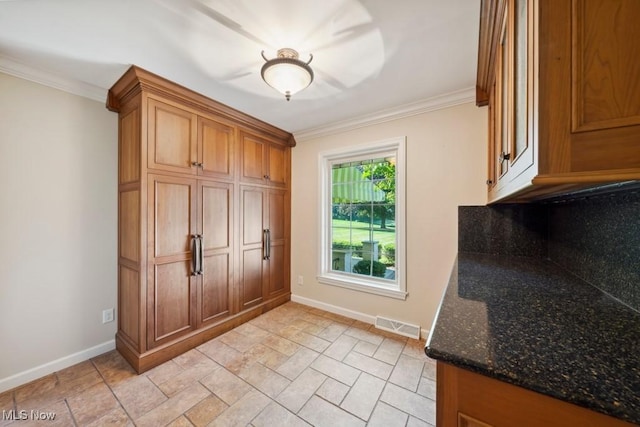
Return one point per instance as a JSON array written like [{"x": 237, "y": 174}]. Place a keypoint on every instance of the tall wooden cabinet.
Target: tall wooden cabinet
[
  {"x": 204, "y": 218},
  {"x": 561, "y": 81}
]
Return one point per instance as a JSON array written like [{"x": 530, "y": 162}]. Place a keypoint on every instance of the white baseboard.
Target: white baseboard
[
  {"x": 351, "y": 314},
  {"x": 56, "y": 365}
]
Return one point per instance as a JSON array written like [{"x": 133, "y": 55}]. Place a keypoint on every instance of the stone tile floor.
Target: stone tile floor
[{"x": 293, "y": 366}]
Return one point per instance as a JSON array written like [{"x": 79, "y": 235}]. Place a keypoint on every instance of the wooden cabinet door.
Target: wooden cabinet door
[
  {"x": 172, "y": 138},
  {"x": 278, "y": 251},
  {"x": 566, "y": 103},
  {"x": 216, "y": 149},
  {"x": 252, "y": 246},
  {"x": 592, "y": 125},
  {"x": 263, "y": 161},
  {"x": 279, "y": 161},
  {"x": 171, "y": 290},
  {"x": 253, "y": 152},
  {"x": 215, "y": 218}
]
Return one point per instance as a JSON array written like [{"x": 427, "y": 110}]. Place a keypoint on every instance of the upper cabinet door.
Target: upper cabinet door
[
  {"x": 263, "y": 161},
  {"x": 278, "y": 172},
  {"x": 216, "y": 149},
  {"x": 253, "y": 158},
  {"x": 172, "y": 138}
]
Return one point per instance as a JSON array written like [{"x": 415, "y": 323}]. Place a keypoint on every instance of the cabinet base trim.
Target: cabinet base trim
[{"x": 142, "y": 362}]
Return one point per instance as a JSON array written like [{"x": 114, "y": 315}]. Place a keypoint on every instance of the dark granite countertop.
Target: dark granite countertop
[{"x": 530, "y": 323}]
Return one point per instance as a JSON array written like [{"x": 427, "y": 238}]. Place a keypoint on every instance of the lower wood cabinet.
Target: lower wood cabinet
[{"x": 467, "y": 399}]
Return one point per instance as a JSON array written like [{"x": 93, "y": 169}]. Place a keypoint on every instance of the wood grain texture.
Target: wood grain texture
[
  {"x": 129, "y": 304},
  {"x": 214, "y": 288},
  {"x": 254, "y": 219},
  {"x": 278, "y": 170},
  {"x": 129, "y": 225},
  {"x": 279, "y": 227},
  {"x": 605, "y": 63},
  {"x": 253, "y": 154},
  {"x": 172, "y": 138},
  {"x": 173, "y": 301},
  {"x": 216, "y": 149},
  {"x": 129, "y": 146},
  {"x": 216, "y": 218},
  {"x": 500, "y": 404},
  {"x": 173, "y": 215}
]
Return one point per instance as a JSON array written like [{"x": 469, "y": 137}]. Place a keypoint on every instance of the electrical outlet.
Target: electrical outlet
[
  {"x": 300, "y": 280},
  {"x": 107, "y": 315}
]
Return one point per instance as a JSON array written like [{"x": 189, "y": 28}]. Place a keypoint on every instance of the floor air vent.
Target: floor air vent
[{"x": 400, "y": 328}]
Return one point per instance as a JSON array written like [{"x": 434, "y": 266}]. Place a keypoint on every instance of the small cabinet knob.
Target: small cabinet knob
[
  {"x": 489, "y": 182},
  {"x": 504, "y": 156},
  {"x": 196, "y": 164}
]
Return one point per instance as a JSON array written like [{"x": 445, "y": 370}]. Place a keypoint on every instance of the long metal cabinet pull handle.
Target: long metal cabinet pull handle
[
  {"x": 194, "y": 254},
  {"x": 265, "y": 244},
  {"x": 201, "y": 255},
  {"x": 268, "y": 244}
]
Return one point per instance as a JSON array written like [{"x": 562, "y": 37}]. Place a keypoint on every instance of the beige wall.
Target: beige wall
[
  {"x": 446, "y": 167},
  {"x": 58, "y": 217}
]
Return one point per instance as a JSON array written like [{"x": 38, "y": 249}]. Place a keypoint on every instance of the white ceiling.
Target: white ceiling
[{"x": 372, "y": 58}]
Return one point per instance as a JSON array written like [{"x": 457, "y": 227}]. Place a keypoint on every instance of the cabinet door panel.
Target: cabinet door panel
[
  {"x": 172, "y": 209},
  {"x": 278, "y": 223},
  {"x": 216, "y": 148},
  {"x": 252, "y": 216},
  {"x": 215, "y": 287},
  {"x": 252, "y": 277},
  {"x": 277, "y": 214},
  {"x": 278, "y": 268},
  {"x": 216, "y": 215},
  {"x": 254, "y": 155},
  {"x": 216, "y": 218},
  {"x": 173, "y": 301},
  {"x": 171, "y": 288},
  {"x": 278, "y": 165},
  {"x": 605, "y": 64},
  {"x": 172, "y": 138}
]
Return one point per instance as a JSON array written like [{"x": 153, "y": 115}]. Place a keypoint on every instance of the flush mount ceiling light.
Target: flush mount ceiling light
[{"x": 286, "y": 73}]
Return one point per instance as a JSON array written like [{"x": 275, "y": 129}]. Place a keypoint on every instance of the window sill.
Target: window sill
[{"x": 362, "y": 286}]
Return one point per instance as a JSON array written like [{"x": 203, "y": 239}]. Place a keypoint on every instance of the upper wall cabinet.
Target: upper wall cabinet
[
  {"x": 182, "y": 141},
  {"x": 264, "y": 161},
  {"x": 561, "y": 81}
]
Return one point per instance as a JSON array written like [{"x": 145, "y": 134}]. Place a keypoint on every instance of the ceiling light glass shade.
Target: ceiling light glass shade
[{"x": 286, "y": 73}]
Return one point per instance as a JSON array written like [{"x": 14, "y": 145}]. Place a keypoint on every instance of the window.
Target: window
[{"x": 362, "y": 227}]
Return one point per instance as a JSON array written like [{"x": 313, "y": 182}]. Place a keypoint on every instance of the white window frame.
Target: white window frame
[{"x": 393, "y": 146}]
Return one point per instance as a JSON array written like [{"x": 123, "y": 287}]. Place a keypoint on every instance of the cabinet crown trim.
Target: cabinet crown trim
[{"x": 136, "y": 79}]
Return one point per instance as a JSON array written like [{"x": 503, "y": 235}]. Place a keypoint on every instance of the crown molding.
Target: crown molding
[
  {"x": 17, "y": 69},
  {"x": 439, "y": 102}
]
